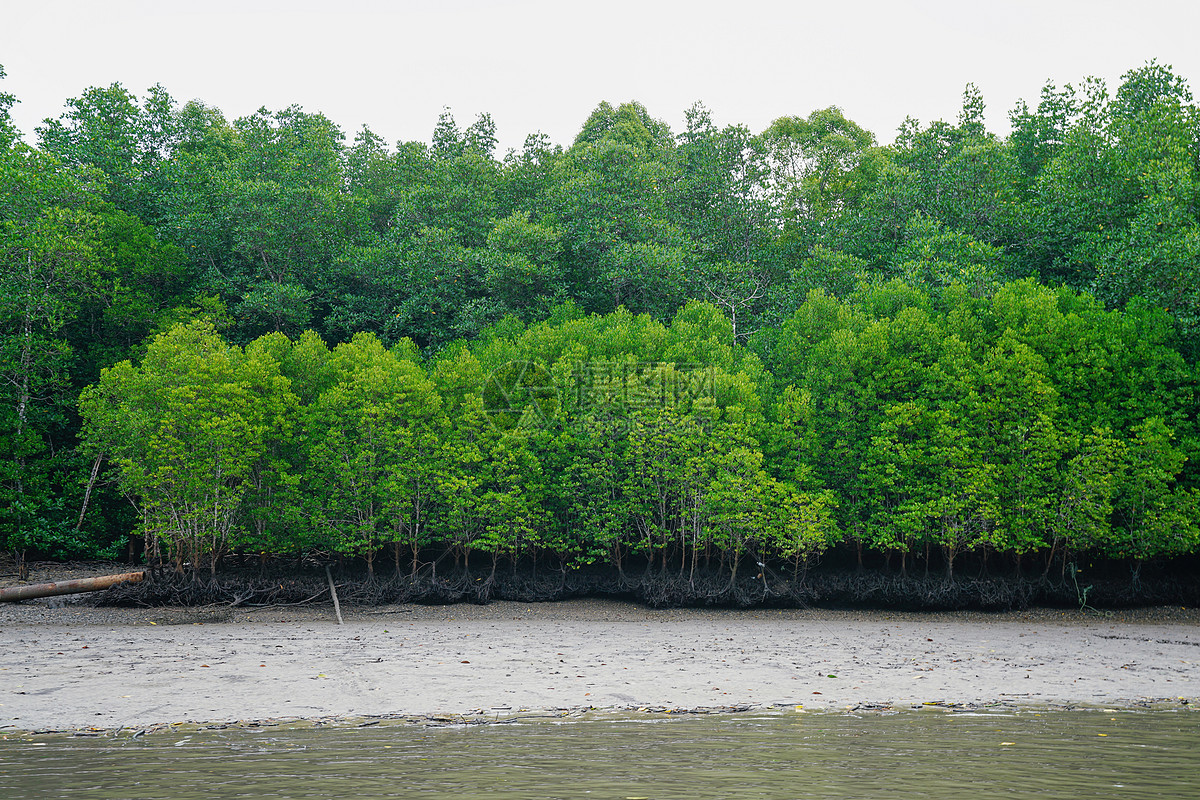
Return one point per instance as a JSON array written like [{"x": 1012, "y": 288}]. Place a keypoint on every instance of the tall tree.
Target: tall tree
[
  {"x": 48, "y": 269},
  {"x": 184, "y": 431}
]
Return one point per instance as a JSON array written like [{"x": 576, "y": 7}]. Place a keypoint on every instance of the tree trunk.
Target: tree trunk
[
  {"x": 87, "y": 493},
  {"x": 17, "y": 593},
  {"x": 733, "y": 570},
  {"x": 416, "y": 552},
  {"x": 23, "y": 395},
  {"x": 1049, "y": 559}
]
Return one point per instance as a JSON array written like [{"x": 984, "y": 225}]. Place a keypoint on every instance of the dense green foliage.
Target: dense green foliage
[{"x": 676, "y": 349}]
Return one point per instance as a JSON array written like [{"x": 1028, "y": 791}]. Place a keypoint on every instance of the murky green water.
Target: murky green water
[{"x": 927, "y": 753}]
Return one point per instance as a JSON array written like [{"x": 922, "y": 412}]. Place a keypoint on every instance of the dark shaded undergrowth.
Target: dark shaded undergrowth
[{"x": 836, "y": 587}]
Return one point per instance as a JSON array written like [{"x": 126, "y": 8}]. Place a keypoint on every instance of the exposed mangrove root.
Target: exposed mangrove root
[{"x": 830, "y": 589}]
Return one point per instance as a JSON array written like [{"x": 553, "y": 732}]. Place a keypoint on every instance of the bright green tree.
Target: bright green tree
[{"x": 184, "y": 431}]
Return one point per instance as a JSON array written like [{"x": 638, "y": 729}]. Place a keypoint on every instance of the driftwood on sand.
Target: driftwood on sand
[{"x": 34, "y": 590}]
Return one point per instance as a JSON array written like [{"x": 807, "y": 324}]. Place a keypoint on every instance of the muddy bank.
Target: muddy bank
[{"x": 64, "y": 665}]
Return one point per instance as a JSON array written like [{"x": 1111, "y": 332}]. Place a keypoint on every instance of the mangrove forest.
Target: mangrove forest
[{"x": 709, "y": 360}]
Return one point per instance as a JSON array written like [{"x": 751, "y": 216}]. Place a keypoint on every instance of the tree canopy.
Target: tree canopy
[{"x": 257, "y": 335}]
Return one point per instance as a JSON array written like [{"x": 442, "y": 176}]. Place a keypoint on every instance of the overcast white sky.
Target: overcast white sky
[{"x": 539, "y": 65}]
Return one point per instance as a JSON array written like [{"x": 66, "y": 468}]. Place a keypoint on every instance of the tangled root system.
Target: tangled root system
[{"x": 834, "y": 589}]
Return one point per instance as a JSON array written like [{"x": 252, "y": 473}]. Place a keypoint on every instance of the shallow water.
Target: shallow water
[{"x": 927, "y": 753}]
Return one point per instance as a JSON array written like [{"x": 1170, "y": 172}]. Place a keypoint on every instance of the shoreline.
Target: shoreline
[
  {"x": 481, "y": 718},
  {"x": 66, "y": 666}
]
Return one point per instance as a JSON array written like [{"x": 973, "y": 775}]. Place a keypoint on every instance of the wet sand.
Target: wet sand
[{"x": 65, "y": 666}]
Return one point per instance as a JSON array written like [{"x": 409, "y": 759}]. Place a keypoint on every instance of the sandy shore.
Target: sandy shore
[{"x": 66, "y": 666}]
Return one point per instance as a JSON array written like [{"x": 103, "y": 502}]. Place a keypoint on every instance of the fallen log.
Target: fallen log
[{"x": 15, "y": 593}]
